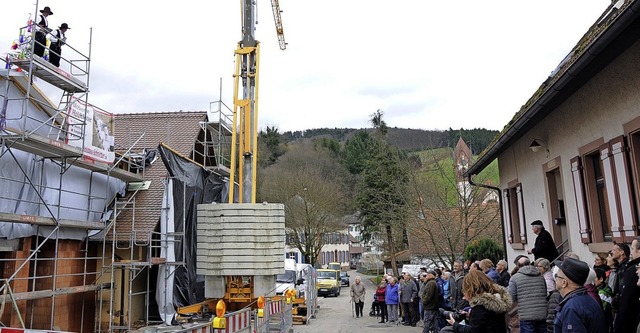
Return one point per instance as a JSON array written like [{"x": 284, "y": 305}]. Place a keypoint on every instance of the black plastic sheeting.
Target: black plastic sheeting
[{"x": 195, "y": 185}]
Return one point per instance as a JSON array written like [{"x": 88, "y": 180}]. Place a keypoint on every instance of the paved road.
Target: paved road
[{"x": 335, "y": 314}]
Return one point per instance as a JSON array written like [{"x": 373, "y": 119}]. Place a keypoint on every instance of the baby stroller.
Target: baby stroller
[{"x": 375, "y": 308}]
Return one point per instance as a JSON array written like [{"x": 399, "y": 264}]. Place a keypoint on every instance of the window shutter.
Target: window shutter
[
  {"x": 507, "y": 215},
  {"x": 581, "y": 204},
  {"x": 609, "y": 173},
  {"x": 626, "y": 207},
  {"x": 523, "y": 222}
]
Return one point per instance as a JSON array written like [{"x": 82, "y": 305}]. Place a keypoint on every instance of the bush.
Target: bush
[{"x": 484, "y": 248}]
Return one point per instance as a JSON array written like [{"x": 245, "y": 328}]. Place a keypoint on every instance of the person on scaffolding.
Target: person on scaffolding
[
  {"x": 41, "y": 32},
  {"x": 58, "y": 39}
]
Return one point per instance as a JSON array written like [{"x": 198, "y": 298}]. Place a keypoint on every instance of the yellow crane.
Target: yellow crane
[
  {"x": 244, "y": 139},
  {"x": 239, "y": 290}
]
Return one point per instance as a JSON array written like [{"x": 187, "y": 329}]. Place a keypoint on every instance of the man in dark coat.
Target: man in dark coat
[
  {"x": 629, "y": 293},
  {"x": 457, "y": 300},
  {"x": 544, "y": 246},
  {"x": 577, "y": 311}
]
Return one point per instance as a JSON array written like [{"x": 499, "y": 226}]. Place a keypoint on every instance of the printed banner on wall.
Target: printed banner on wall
[{"x": 97, "y": 140}]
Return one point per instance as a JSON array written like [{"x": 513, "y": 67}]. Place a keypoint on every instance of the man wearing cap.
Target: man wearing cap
[
  {"x": 41, "y": 32},
  {"x": 577, "y": 312},
  {"x": 430, "y": 301},
  {"x": 58, "y": 39},
  {"x": 544, "y": 246}
]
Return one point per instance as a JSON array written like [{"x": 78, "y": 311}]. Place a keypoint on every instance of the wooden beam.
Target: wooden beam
[
  {"x": 50, "y": 222},
  {"x": 39, "y": 294}
]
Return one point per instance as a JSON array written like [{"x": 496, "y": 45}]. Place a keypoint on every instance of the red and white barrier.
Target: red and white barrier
[
  {"x": 275, "y": 307},
  {"x": 239, "y": 321}
]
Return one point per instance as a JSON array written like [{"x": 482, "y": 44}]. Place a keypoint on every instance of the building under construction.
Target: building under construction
[{"x": 97, "y": 215}]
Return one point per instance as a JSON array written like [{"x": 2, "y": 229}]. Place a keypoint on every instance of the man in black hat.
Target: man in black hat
[
  {"x": 544, "y": 246},
  {"x": 577, "y": 312},
  {"x": 58, "y": 39},
  {"x": 41, "y": 32},
  {"x": 429, "y": 296}
]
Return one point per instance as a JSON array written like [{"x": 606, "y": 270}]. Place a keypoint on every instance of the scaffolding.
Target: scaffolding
[
  {"x": 128, "y": 263},
  {"x": 64, "y": 261},
  {"x": 54, "y": 200},
  {"x": 212, "y": 148}
]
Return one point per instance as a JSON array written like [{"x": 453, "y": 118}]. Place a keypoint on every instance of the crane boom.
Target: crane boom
[{"x": 275, "y": 6}]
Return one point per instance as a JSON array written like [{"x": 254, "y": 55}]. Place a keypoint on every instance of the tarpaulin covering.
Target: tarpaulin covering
[
  {"x": 192, "y": 185},
  {"x": 34, "y": 186}
]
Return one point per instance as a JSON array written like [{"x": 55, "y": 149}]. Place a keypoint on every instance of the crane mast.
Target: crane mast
[{"x": 244, "y": 139}]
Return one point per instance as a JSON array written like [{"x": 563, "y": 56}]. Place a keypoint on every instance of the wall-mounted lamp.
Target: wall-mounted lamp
[{"x": 538, "y": 144}]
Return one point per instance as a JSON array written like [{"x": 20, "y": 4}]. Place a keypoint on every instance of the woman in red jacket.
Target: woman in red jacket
[{"x": 380, "y": 293}]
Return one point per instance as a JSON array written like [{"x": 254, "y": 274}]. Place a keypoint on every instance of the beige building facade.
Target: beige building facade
[{"x": 571, "y": 156}]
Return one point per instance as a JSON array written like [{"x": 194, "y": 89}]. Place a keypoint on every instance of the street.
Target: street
[{"x": 336, "y": 314}]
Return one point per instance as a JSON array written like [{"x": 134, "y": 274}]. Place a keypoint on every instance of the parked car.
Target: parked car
[
  {"x": 328, "y": 282},
  {"x": 334, "y": 265},
  {"x": 344, "y": 279}
]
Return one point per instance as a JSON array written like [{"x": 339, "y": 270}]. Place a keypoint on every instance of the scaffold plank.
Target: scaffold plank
[
  {"x": 39, "y": 294},
  {"x": 47, "y": 221},
  {"x": 38, "y": 145},
  {"x": 51, "y": 74}
]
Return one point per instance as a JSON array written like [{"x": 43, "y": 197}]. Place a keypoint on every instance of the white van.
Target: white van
[
  {"x": 305, "y": 277},
  {"x": 288, "y": 279}
]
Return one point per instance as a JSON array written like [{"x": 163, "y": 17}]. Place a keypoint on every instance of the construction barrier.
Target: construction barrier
[
  {"x": 310, "y": 294},
  {"x": 287, "y": 318},
  {"x": 261, "y": 323},
  {"x": 277, "y": 317},
  {"x": 280, "y": 316},
  {"x": 239, "y": 321}
]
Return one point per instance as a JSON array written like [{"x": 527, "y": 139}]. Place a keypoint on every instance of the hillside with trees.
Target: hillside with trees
[
  {"x": 393, "y": 179},
  {"x": 404, "y": 138}
]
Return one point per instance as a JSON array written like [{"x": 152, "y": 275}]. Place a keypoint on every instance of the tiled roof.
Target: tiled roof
[
  {"x": 178, "y": 130},
  {"x": 403, "y": 256},
  {"x": 446, "y": 229}
]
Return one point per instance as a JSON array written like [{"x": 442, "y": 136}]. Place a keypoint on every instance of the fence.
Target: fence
[{"x": 277, "y": 317}]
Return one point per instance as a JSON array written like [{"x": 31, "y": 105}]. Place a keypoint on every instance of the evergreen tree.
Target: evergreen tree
[
  {"x": 381, "y": 197},
  {"x": 484, "y": 248},
  {"x": 357, "y": 151},
  {"x": 272, "y": 149}
]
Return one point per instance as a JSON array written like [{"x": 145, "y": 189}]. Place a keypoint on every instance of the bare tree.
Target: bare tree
[
  {"x": 450, "y": 212},
  {"x": 310, "y": 183}
]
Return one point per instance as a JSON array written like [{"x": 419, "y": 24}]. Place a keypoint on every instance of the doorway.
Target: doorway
[{"x": 557, "y": 215}]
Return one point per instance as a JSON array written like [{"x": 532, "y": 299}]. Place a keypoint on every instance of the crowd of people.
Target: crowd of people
[{"x": 538, "y": 295}]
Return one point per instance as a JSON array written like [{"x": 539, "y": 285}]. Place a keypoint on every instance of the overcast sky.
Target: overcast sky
[{"x": 427, "y": 64}]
